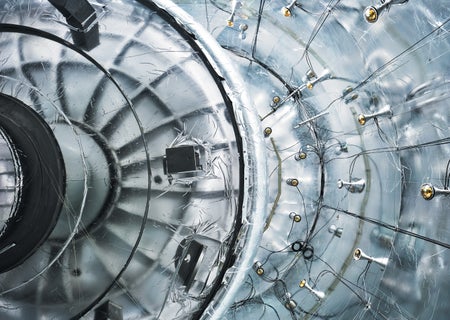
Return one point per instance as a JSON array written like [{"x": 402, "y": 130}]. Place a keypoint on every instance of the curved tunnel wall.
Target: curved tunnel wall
[{"x": 244, "y": 159}]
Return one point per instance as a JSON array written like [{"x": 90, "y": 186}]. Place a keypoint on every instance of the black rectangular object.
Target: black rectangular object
[
  {"x": 188, "y": 267},
  {"x": 81, "y": 16},
  {"x": 181, "y": 159},
  {"x": 108, "y": 311}
]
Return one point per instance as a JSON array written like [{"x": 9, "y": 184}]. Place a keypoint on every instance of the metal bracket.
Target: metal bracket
[{"x": 82, "y": 21}]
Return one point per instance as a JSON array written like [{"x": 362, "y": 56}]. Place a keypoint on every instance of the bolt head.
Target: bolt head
[
  {"x": 371, "y": 14},
  {"x": 427, "y": 191},
  {"x": 286, "y": 12},
  {"x": 362, "y": 119}
]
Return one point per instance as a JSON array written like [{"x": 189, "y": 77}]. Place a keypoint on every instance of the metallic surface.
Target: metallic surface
[
  {"x": 321, "y": 136},
  {"x": 10, "y": 177}
]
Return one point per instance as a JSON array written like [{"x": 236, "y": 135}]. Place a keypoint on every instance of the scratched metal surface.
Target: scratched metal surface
[{"x": 321, "y": 135}]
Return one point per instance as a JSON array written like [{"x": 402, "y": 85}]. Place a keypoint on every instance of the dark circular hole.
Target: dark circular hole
[
  {"x": 40, "y": 161},
  {"x": 157, "y": 179}
]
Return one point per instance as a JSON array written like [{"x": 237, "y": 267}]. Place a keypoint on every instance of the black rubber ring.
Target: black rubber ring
[
  {"x": 297, "y": 246},
  {"x": 43, "y": 185}
]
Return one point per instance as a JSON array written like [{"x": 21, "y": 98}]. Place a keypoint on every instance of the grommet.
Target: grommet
[
  {"x": 301, "y": 156},
  {"x": 292, "y": 182},
  {"x": 317, "y": 293},
  {"x": 358, "y": 254},
  {"x": 385, "y": 112},
  {"x": 257, "y": 266},
  {"x": 287, "y": 11},
  {"x": 428, "y": 191},
  {"x": 371, "y": 14},
  {"x": 295, "y": 217},
  {"x": 297, "y": 246}
]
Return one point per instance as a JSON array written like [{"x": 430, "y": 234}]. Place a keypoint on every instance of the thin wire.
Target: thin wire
[
  {"x": 390, "y": 227},
  {"x": 447, "y": 176}
]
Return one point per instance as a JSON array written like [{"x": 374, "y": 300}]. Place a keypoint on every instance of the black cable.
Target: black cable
[{"x": 390, "y": 227}]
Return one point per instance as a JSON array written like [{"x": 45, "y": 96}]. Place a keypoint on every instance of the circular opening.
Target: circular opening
[{"x": 41, "y": 185}]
